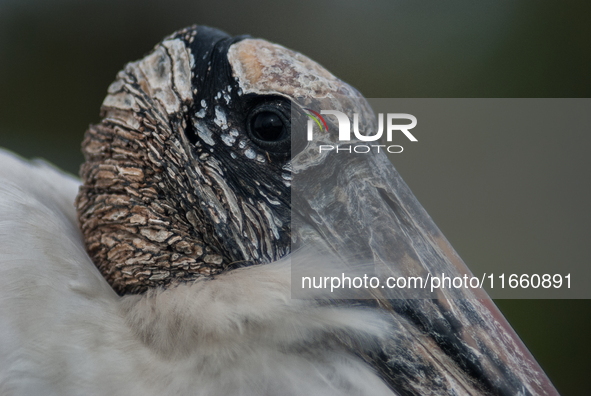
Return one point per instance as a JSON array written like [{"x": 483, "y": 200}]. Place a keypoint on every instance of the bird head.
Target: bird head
[{"x": 188, "y": 172}]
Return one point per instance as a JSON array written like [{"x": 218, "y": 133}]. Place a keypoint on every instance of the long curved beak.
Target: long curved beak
[{"x": 453, "y": 339}]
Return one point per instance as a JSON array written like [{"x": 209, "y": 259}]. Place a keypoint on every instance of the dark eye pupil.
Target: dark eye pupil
[{"x": 267, "y": 126}]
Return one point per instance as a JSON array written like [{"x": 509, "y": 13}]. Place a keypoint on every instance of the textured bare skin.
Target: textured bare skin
[
  {"x": 263, "y": 67},
  {"x": 139, "y": 208},
  {"x": 136, "y": 236},
  {"x": 142, "y": 223}
]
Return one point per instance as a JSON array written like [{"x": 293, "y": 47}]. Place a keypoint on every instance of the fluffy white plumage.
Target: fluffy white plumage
[{"x": 64, "y": 331}]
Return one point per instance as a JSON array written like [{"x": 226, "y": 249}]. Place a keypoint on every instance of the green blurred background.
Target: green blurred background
[{"x": 529, "y": 203}]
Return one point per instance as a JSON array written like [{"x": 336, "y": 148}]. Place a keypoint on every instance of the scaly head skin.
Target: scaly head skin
[
  {"x": 174, "y": 188},
  {"x": 177, "y": 185}
]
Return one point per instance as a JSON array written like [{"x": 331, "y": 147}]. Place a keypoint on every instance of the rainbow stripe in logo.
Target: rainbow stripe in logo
[{"x": 316, "y": 119}]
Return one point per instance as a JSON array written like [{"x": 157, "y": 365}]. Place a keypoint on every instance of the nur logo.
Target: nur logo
[{"x": 345, "y": 130}]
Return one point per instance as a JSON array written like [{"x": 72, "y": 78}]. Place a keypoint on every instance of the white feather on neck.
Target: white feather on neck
[{"x": 63, "y": 331}]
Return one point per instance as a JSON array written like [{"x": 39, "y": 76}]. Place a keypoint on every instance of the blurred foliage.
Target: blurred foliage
[{"x": 58, "y": 58}]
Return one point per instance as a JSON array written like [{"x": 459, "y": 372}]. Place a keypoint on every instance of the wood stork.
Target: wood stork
[{"x": 167, "y": 270}]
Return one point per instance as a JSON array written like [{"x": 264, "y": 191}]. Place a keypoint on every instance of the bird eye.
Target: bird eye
[{"x": 269, "y": 126}]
